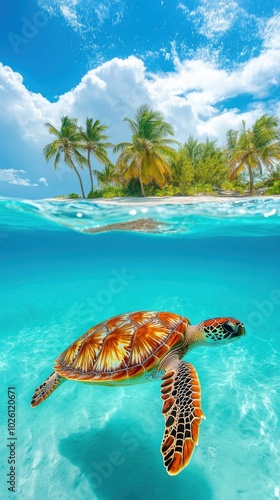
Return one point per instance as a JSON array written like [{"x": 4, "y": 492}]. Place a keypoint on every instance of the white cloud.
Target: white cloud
[
  {"x": 102, "y": 11},
  {"x": 43, "y": 180},
  {"x": 217, "y": 17},
  {"x": 12, "y": 176},
  {"x": 18, "y": 105},
  {"x": 217, "y": 125},
  {"x": 198, "y": 97},
  {"x": 189, "y": 96},
  {"x": 212, "y": 19},
  {"x": 271, "y": 35},
  {"x": 85, "y": 16},
  {"x": 70, "y": 14},
  {"x": 202, "y": 86}
]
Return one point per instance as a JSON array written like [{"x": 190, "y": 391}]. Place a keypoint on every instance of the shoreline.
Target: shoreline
[{"x": 165, "y": 200}]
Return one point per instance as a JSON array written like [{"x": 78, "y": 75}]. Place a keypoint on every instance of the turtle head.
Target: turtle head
[{"x": 217, "y": 331}]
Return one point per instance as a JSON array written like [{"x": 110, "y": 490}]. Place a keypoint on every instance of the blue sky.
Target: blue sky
[{"x": 205, "y": 64}]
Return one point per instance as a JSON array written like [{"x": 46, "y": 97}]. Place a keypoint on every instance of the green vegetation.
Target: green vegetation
[
  {"x": 107, "y": 177},
  {"x": 73, "y": 196},
  {"x": 198, "y": 167},
  {"x": 66, "y": 144},
  {"x": 155, "y": 164},
  {"x": 254, "y": 148},
  {"x": 146, "y": 157},
  {"x": 72, "y": 140},
  {"x": 274, "y": 189},
  {"x": 92, "y": 142}
]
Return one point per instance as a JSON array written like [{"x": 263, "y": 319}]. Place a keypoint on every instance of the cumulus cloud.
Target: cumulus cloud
[
  {"x": 217, "y": 125},
  {"x": 207, "y": 83},
  {"x": 198, "y": 97},
  {"x": 20, "y": 106},
  {"x": 43, "y": 180},
  {"x": 188, "y": 96},
  {"x": 12, "y": 176}
]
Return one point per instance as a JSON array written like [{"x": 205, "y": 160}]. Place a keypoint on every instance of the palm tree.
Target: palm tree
[
  {"x": 66, "y": 144},
  {"x": 254, "y": 148},
  {"x": 146, "y": 157},
  {"x": 108, "y": 175},
  {"x": 93, "y": 141}
]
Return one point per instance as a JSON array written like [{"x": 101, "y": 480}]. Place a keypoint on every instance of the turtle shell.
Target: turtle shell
[{"x": 126, "y": 346}]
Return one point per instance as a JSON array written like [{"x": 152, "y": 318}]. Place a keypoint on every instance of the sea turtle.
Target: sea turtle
[{"x": 143, "y": 346}]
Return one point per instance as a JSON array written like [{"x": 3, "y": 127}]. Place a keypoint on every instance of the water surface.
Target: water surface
[{"x": 200, "y": 260}]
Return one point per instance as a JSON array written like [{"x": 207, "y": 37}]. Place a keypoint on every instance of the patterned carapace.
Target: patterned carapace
[
  {"x": 136, "y": 347},
  {"x": 126, "y": 346}
]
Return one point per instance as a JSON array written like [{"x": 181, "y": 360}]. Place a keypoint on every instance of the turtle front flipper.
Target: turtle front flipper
[
  {"x": 183, "y": 414},
  {"x": 44, "y": 390}
]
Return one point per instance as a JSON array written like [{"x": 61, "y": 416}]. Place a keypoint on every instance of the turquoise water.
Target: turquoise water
[{"x": 202, "y": 260}]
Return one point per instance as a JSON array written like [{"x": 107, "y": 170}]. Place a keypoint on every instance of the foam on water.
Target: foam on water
[
  {"x": 103, "y": 443},
  {"x": 192, "y": 218}
]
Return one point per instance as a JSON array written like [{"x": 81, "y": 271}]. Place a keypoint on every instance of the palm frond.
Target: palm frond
[
  {"x": 57, "y": 160},
  {"x": 121, "y": 146}
]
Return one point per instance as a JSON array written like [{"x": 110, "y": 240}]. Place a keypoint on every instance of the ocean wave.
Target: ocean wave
[{"x": 254, "y": 216}]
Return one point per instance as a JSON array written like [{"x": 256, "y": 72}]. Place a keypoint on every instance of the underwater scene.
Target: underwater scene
[{"x": 67, "y": 266}]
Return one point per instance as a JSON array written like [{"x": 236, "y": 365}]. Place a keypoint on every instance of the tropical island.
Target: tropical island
[{"x": 155, "y": 164}]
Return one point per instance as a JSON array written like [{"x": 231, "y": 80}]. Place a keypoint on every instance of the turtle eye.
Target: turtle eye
[{"x": 230, "y": 327}]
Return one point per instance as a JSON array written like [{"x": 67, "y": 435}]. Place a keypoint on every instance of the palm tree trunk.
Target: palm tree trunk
[
  {"x": 90, "y": 172},
  {"x": 251, "y": 178},
  {"x": 80, "y": 180},
  {"x": 142, "y": 187}
]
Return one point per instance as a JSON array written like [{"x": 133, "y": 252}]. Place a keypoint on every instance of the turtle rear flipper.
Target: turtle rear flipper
[
  {"x": 44, "y": 390},
  {"x": 183, "y": 414}
]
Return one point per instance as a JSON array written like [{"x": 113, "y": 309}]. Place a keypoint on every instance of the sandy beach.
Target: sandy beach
[{"x": 167, "y": 200}]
